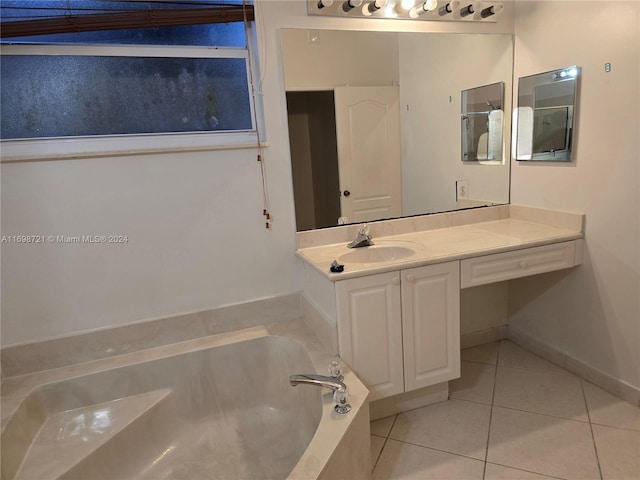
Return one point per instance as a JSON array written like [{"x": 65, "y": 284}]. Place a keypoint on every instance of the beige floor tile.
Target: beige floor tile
[
  {"x": 487, "y": 353},
  {"x": 542, "y": 392},
  {"x": 498, "y": 472},
  {"x": 455, "y": 426},
  {"x": 618, "y": 452},
  {"x": 383, "y": 426},
  {"x": 542, "y": 444},
  {"x": 475, "y": 383},
  {"x": 512, "y": 355},
  {"x": 607, "y": 409},
  {"x": 402, "y": 461},
  {"x": 376, "y": 447},
  {"x": 539, "y": 427}
]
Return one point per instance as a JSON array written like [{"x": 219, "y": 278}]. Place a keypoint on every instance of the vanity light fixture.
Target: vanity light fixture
[
  {"x": 350, "y": 5},
  {"x": 324, "y": 3},
  {"x": 441, "y": 10},
  {"x": 427, "y": 6}
]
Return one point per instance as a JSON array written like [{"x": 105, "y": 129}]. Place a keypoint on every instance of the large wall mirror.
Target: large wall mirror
[{"x": 374, "y": 123}]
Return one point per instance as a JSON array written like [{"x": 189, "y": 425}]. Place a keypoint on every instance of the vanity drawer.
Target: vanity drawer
[{"x": 516, "y": 264}]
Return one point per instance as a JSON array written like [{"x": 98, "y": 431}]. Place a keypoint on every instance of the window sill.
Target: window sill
[{"x": 37, "y": 150}]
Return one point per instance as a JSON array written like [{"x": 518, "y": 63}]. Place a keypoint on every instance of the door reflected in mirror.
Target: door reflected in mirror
[
  {"x": 374, "y": 123},
  {"x": 546, "y": 112}
]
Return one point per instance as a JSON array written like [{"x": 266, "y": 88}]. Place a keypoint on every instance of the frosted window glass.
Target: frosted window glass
[{"x": 56, "y": 96}]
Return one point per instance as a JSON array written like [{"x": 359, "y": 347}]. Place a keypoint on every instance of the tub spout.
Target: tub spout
[
  {"x": 319, "y": 380},
  {"x": 340, "y": 394}
]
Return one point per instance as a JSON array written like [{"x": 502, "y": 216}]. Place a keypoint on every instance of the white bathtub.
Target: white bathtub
[{"x": 214, "y": 408}]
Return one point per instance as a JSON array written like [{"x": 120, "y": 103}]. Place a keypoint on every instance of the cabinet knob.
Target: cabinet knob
[
  {"x": 395, "y": 280},
  {"x": 524, "y": 264},
  {"x": 411, "y": 278}
]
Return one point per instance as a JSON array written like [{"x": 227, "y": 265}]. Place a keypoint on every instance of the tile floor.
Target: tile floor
[{"x": 512, "y": 415}]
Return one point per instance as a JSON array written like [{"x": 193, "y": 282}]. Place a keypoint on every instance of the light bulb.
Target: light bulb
[
  {"x": 468, "y": 10},
  {"x": 350, "y": 4},
  {"x": 376, "y": 5},
  {"x": 324, "y": 3},
  {"x": 406, "y": 5},
  {"x": 448, "y": 8},
  {"x": 492, "y": 10},
  {"x": 425, "y": 7}
]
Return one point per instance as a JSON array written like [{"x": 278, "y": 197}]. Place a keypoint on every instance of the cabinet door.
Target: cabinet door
[
  {"x": 431, "y": 324},
  {"x": 370, "y": 331}
]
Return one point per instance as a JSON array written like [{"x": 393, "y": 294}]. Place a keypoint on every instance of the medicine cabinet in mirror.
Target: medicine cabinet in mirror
[
  {"x": 374, "y": 122},
  {"x": 546, "y": 115},
  {"x": 482, "y": 125}
]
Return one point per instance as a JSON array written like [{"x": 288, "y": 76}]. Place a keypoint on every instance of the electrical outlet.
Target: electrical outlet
[{"x": 462, "y": 190}]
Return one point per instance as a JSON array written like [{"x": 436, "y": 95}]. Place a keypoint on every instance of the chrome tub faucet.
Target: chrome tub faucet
[{"x": 334, "y": 383}]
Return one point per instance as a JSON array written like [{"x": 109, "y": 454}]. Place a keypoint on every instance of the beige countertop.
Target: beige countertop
[{"x": 441, "y": 245}]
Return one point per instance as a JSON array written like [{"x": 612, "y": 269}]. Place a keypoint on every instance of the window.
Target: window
[{"x": 124, "y": 90}]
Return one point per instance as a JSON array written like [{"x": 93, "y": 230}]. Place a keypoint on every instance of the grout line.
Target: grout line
[
  {"x": 384, "y": 444},
  {"x": 542, "y": 414},
  {"x": 493, "y": 396},
  {"x": 528, "y": 471},
  {"x": 438, "y": 450},
  {"x": 593, "y": 438},
  {"x": 616, "y": 428},
  {"x": 477, "y": 402},
  {"x": 546, "y": 371}
]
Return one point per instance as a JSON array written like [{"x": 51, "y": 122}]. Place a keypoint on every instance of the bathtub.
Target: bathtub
[{"x": 212, "y": 408}]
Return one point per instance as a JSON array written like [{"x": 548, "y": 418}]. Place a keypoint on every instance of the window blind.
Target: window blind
[{"x": 21, "y": 19}]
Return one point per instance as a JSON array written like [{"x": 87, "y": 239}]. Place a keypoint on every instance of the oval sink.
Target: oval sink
[{"x": 376, "y": 254}]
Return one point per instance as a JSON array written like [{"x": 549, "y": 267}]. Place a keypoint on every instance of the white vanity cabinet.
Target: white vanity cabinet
[
  {"x": 395, "y": 319},
  {"x": 400, "y": 331}
]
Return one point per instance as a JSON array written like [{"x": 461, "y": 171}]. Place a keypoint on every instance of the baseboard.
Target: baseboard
[
  {"x": 403, "y": 402},
  {"x": 490, "y": 335},
  {"x": 613, "y": 385}
]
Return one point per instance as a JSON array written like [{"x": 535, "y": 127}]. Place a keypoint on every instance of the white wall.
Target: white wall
[
  {"x": 196, "y": 239},
  {"x": 194, "y": 220},
  {"x": 593, "y": 312},
  {"x": 324, "y": 59},
  {"x": 431, "y": 108}
]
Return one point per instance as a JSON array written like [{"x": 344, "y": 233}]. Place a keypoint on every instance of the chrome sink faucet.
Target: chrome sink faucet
[{"x": 363, "y": 239}]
